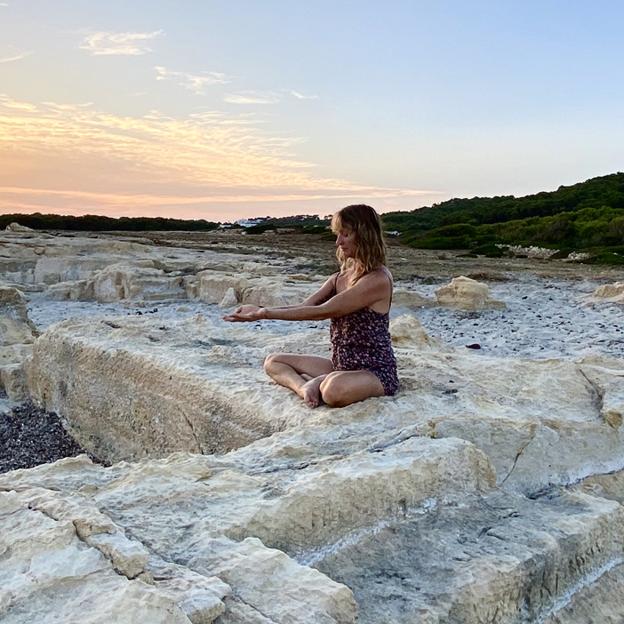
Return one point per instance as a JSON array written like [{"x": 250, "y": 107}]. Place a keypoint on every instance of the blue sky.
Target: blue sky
[{"x": 223, "y": 110}]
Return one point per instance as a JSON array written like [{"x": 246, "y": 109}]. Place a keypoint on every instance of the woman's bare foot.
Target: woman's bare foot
[{"x": 310, "y": 391}]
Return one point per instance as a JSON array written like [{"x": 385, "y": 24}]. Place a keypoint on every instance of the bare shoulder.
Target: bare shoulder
[
  {"x": 380, "y": 278},
  {"x": 386, "y": 272}
]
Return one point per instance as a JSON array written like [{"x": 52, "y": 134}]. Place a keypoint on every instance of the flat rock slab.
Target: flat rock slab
[
  {"x": 132, "y": 387},
  {"x": 205, "y": 516},
  {"x": 498, "y": 558},
  {"x": 414, "y": 533},
  {"x": 135, "y": 387}
]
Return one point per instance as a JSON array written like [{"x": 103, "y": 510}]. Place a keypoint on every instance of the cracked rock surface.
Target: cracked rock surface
[{"x": 489, "y": 490}]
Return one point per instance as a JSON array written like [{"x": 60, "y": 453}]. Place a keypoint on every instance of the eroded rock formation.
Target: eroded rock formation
[
  {"x": 466, "y": 294},
  {"x": 17, "y": 335},
  {"x": 479, "y": 493},
  {"x": 613, "y": 293}
]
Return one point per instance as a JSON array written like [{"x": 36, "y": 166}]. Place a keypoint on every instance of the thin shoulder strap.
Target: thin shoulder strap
[
  {"x": 389, "y": 276},
  {"x": 335, "y": 282}
]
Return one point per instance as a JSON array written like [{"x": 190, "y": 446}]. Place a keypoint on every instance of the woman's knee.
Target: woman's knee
[
  {"x": 270, "y": 361},
  {"x": 331, "y": 392}
]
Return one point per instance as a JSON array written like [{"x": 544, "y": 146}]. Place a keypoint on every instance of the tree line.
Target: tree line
[
  {"x": 588, "y": 216},
  {"x": 98, "y": 223}
]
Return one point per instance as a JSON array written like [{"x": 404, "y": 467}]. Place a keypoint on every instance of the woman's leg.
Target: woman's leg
[
  {"x": 342, "y": 388},
  {"x": 302, "y": 374}
]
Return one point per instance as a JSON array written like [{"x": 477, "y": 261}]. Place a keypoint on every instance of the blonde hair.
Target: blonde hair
[{"x": 370, "y": 248}]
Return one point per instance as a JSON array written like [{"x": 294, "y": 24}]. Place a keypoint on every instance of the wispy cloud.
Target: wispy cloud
[
  {"x": 9, "y": 103},
  {"x": 196, "y": 83},
  {"x": 120, "y": 44},
  {"x": 301, "y": 96},
  {"x": 155, "y": 164},
  {"x": 252, "y": 97},
  {"x": 15, "y": 57},
  {"x": 4, "y": 4}
]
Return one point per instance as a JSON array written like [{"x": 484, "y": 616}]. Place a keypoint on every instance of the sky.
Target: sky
[{"x": 226, "y": 110}]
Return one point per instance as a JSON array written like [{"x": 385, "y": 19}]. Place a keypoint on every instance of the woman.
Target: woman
[{"x": 357, "y": 300}]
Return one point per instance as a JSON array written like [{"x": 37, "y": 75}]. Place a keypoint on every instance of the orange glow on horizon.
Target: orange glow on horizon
[{"x": 72, "y": 159}]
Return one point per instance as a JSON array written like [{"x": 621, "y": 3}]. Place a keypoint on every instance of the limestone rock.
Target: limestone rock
[
  {"x": 410, "y": 299},
  {"x": 613, "y": 293},
  {"x": 500, "y": 558},
  {"x": 454, "y": 550},
  {"x": 17, "y": 333},
  {"x": 16, "y": 227},
  {"x": 466, "y": 294},
  {"x": 165, "y": 399},
  {"x": 134, "y": 387},
  {"x": 13, "y": 381},
  {"x": 50, "y": 575},
  {"x": 212, "y": 286},
  {"x": 137, "y": 282},
  {"x": 597, "y": 600},
  {"x": 266, "y": 293},
  {"x": 51, "y": 268},
  {"x": 229, "y": 299},
  {"x": 407, "y": 332},
  {"x": 457, "y": 500},
  {"x": 79, "y": 290}
]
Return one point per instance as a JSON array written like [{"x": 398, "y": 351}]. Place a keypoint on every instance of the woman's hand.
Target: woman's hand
[{"x": 246, "y": 313}]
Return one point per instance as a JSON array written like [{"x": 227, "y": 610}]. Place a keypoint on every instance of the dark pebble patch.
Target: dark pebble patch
[{"x": 29, "y": 436}]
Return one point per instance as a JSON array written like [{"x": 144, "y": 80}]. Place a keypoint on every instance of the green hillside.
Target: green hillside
[{"x": 588, "y": 216}]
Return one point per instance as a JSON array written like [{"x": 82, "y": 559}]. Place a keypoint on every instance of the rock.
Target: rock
[
  {"x": 172, "y": 389},
  {"x": 532, "y": 418},
  {"x": 17, "y": 333},
  {"x": 16, "y": 227},
  {"x": 229, "y": 299},
  {"x": 138, "y": 282},
  {"x": 436, "y": 538},
  {"x": 597, "y": 599},
  {"x": 80, "y": 290},
  {"x": 229, "y": 501},
  {"x": 51, "y": 269},
  {"x": 410, "y": 299},
  {"x": 13, "y": 381},
  {"x": 191, "y": 286},
  {"x": 212, "y": 286},
  {"x": 612, "y": 293},
  {"x": 13, "y": 305},
  {"x": 407, "y": 332},
  {"x": 540, "y": 253},
  {"x": 497, "y": 558},
  {"x": 267, "y": 293},
  {"x": 50, "y": 574},
  {"x": 466, "y": 294}
]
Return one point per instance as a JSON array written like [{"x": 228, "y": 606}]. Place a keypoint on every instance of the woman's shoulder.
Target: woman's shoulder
[
  {"x": 382, "y": 273},
  {"x": 380, "y": 279}
]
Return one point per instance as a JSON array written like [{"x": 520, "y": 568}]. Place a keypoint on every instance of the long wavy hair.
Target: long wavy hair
[{"x": 370, "y": 248}]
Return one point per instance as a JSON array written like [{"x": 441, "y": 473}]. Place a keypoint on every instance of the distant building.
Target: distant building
[{"x": 246, "y": 223}]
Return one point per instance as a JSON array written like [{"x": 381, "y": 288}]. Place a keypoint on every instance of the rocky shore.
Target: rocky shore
[{"x": 490, "y": 489}]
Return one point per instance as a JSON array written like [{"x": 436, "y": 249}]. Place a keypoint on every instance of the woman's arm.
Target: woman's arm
[
  {"x": 323, "y": 293},
  {"x": 368, "y": 290}
]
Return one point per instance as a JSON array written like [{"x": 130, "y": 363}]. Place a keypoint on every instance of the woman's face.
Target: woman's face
[{"x": 345, "y": 240}]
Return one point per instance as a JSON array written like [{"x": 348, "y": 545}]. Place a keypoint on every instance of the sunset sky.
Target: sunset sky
[{"x": 223, "y": 110}]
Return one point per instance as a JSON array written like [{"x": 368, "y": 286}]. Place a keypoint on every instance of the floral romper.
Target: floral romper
[{"x": 361, "y": 341}]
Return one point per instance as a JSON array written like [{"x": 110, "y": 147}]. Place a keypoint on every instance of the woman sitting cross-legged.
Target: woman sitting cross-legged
[{"x": 357, "y": 300}]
